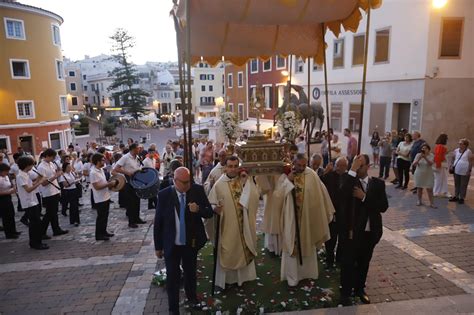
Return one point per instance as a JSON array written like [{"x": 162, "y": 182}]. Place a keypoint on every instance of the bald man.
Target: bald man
[{"x": 179, "y": 233}]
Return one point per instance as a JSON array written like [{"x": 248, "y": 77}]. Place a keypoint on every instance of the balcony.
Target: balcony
[{"x": 207, "y": 103}]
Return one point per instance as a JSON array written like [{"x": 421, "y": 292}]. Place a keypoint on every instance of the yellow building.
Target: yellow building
[{"x": 33, "y": 98}]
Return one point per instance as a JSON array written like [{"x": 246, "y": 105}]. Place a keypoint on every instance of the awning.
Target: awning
[
  {"x": 245, "y": 29},
  {"x": 251, "y": 124}
]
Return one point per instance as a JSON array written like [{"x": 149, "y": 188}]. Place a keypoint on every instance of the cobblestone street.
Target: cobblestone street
[{"x": 425, "y": 256}]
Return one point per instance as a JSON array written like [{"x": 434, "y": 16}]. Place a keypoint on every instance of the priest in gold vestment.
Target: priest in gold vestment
[
  {"x": 235, "y": 197},
  {"x": 314, "y": 211}
]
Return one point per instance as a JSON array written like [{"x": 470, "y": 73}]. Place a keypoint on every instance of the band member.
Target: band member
[
  {"x": 100, "y": 189},
  {"x": 71, "y": 194},
  {"x": 7, "y": 210},
  {"x": 128, "y": 165},
  {"x": 121, "y": 193},
  {"x": 50, "y": 193},
  {"x": 363, "y": 200},
  {"x": 179, "y": 234},
  {"x": 149, "y": 161},
  {"x": 29, "y": 201}
]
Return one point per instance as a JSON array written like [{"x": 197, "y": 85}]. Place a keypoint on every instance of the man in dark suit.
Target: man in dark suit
[
  {"x": 333, "y": 182},
  {"x": 179, "y": 233},
  {"x": 362, "y": 202}
]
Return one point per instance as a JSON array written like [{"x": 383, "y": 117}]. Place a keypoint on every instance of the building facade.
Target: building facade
[
  {"x": 208, "y": 87},
  {"x": 236, "y": 92},
  {"x": 420, "y": 72},
  {"x": 74, "y": 88},
  {"x": 272, "y": 77},
  {"x": 33, "y": 98}
]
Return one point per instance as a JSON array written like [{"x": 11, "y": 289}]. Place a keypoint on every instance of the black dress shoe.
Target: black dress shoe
[
  {"x": 45, "y": 237},
  {"x": 60, "y": 232},
  {"x": 40, "y": 247},
  {"x": 398, "y": 187},
  {"x": 453, "y": 199},
  {"x": 109, "y": 234},
  {"x": 102, "y": 238},
  {"x": 140, "y": 221},
  {"x": 133, "y": 226},
  {"x": 345, "y": 301},
  {"x": 12, "y": 237},
  {"x": 17, "y": 233},
  {"x": 364, "y": 298},
  {"x": 461, "y": 201}
]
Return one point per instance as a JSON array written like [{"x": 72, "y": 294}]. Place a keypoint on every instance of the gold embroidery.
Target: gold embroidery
[
  {"x": 299, "y": 193},
  {"x": 236, "y": 191}
]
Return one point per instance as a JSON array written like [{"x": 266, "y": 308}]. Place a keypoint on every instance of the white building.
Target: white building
[
  {"x": 420, "y": 73},
  {"x": 208, "y": 86}
]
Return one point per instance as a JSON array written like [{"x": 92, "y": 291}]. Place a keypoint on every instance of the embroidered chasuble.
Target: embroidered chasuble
[
  {"x": 238, "y": 237},
  {"x": 314, "y": 211}
]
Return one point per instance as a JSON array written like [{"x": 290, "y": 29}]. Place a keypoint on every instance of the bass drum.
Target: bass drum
[{"x": 146, "y": 183}]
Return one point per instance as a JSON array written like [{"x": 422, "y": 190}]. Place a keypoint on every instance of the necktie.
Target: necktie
[{"x": 182, "y": 225}]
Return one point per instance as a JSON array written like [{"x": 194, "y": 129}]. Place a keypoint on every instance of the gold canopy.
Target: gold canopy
[{"x": 243, "y": 29}]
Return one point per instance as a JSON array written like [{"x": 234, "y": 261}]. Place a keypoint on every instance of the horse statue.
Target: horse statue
[{"x": 310, "y": 113}]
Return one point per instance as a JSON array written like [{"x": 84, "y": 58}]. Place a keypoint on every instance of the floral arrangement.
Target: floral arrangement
[
  {"x": 159, "y": 278},
  {"x": 289, "y": 125},
  {"x": 230, "y": 124}
]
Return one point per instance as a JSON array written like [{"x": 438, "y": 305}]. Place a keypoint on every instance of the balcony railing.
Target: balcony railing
[{"x": 208, "y": 103}]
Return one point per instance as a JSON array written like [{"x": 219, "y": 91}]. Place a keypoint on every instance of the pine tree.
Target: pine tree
[{"x": 126, "y": 75}]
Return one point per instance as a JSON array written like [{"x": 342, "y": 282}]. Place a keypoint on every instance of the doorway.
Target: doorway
[
  {"x": 401, "y": 116},
  {"x": 26, "y": 143}
]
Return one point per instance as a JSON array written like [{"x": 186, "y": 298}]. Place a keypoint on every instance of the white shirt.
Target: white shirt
[
  {"x": 27, "y": 199},
  {"x": 129, "y": 163},
  {"x": 68, "y": 178},
  {"x": 14, "y": 169},
  {"x": 461, "y": 162},
  {"x": 364, "y": 182},
  {"x": 78, "y": 166},
  {"x": 301, "y": 146},
  {"x": 48, "y": 170},
  {"x": 176, "y": 218},
  {"x": 33, "y": 176},
  {"x": 149, "y": 162},
  {"x": 98, "y": 176},
  {"x": 5, "y": 183},
  {"x": 86, "y": 168}
]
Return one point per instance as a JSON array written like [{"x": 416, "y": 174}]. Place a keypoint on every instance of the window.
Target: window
[
  {"x": 63, "y": 105},
  {"x": 93, "y": 87},
  {"x": 74, "y": 101},
  {"x": 203, "y": 88},
  {"x": 25, "y": 109},
  {"x": 336, "y": 116},
  {"x": 241, "y": 111},
  {"x": 55, "y": 140},
  {"x": 338, "y": 54},
  {"x": 299, "y": 65},
  {"x": 60, "y": 70},
  {"x": 229, "y": 80},
  {"x": 382, "y": 45},
  {"x": 231, "y": 107},
  {"x": 86, "y": 99},
  {"x": 240, "y": 79},
  {"x": 5, "y": 143},
  {"x": 281, "y": 62},
  {"x": 211, "y": 88},
  {"x": 317, "y": 67},
  {"x": 354, "y": 117},
  {"x": 202, "y": 77},
  {"x": 451, "y": 37},
  {"x": 56, "y": 36},
  {"x": 210, "y": 77},
  {"x": 267, "y": 65},
  {"x": 254, "y": 66},
  {"x": 73, "y": 86},
  {"x": 84, "y": 77},
  {"x": 267, "y": 91},
  {"x": 358, "y": 50},
  {"x": 14, "y": 29},
  {"x": 85, "y": 88},
  {"x": 72, "y": 73},
  {"x": 101, "y": 86},
  {"x": 20, "y": 69}
]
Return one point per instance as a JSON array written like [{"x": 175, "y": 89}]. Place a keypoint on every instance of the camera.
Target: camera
[{"x": 168, "y": 160}]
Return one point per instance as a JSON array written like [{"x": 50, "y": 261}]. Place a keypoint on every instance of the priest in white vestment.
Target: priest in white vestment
[
  {"x": 314, "y": 211},
  {"x": 236, "y": 197}
]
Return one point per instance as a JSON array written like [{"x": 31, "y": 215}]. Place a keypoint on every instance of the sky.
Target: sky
[{"x": 88, "y": 24}]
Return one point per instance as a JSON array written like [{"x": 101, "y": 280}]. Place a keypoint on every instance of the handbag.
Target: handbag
[{"x": 452, "y": 167}]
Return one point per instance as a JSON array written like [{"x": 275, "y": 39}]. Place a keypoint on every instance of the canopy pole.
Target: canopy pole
[
  {"x": 308, "y": 121},
  {"x": 364, "y": 78},
  {"x": 181, "y": 85},
  {"x": 323, "y": 33},
  {"x": 188, "y": 83}
]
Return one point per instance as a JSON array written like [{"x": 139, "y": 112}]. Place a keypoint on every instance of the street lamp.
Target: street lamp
[
  {"x": 438, "y": 4},
  {"x": 98, "y": 119},
  {"x": 121, "y": 129}
]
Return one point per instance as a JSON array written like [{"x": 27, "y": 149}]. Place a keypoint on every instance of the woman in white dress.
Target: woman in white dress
[{"x": 424, "y": 175}]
